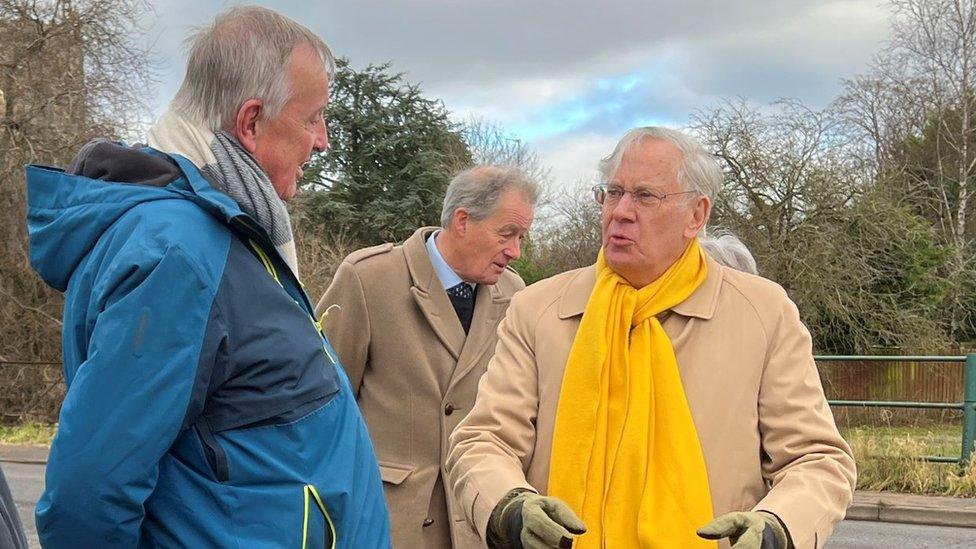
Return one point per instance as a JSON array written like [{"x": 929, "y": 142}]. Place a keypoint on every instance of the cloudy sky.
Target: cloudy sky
[{"x": 570, "y": 76}]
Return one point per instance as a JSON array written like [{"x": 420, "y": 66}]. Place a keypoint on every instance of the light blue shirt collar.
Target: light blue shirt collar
[{"x": 445, "y": 273}]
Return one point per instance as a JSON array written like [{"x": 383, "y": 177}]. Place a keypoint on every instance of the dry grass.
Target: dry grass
[
  {"x": 890, "y": 459},
  {"x": 319, "y": 256},
  {"x": 28, "y": 433}
]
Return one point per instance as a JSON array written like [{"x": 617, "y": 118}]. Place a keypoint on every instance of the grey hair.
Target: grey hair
[
  {"x": 699, "y": 170},
  {"x": 243, "y": 55},
  {"x": 479, "y": 189},
  {"x": 728, "y": 250}
]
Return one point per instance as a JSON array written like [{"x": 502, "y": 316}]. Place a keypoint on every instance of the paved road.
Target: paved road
[
  {"x": 27, "y": 482},
  {"x": 886, "y": 535}
]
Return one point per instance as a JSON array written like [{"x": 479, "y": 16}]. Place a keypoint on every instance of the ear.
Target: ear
[
  {"x": 700, "y": 212},
  {"x": 460, "y": 220},
  {"x": 246, "y": 124}
]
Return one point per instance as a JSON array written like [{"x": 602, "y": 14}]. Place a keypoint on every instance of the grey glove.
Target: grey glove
[
  {"x": 748, "y": 530},
  {"x": 526, "y": 520}
]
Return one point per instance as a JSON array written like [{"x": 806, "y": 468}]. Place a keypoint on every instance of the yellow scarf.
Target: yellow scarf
[{"x": 625, "y": 453}]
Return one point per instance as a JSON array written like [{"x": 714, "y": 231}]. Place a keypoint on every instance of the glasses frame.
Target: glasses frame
[{"x": 600, "y": 195}]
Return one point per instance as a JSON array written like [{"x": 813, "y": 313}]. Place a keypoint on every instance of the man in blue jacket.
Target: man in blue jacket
[{"x": 204, "y": 406}]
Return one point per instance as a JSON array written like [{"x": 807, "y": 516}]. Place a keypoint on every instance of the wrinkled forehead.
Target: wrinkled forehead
[
  {"x": 648, "y": 162},
  {"x": 514, "y": 209}
]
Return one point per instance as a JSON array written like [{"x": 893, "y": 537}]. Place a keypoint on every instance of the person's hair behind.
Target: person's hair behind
[
  {"x": 699, "y": 170},
  {"x": 479, "y": 189},
  {"x": 243, "y": 55},
  {"x": 726, "y": 249}
]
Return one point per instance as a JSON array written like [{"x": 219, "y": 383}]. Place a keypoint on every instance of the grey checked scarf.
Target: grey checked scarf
[{"x": 234, "y": 171}]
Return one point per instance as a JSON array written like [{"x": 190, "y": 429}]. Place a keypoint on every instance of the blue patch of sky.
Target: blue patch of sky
[{"x": 609, "y": 104}]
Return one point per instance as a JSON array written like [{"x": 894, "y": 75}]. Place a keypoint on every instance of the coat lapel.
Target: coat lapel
[
  {"x": 430, "y": 296},
  {"x": 576, "y": 294},
  {"x": 488, "y": 307}
]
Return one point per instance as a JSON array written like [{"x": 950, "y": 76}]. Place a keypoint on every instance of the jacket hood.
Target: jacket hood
[{"x": 68, "y": 211}]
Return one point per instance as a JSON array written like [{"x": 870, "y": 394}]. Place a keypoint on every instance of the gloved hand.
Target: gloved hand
[
  {"x": 748, "y": 530},
  {"x": 526, "y": 520}
]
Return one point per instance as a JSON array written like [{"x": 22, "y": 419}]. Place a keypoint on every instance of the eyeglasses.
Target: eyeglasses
[{"x": 611, "y": 194}]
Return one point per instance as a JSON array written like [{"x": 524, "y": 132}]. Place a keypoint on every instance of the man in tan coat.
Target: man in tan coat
[
  {"x": 414, "y": 328},
  {"x": 778, "y": 473}
]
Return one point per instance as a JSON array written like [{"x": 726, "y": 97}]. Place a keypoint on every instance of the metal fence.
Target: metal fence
[
  {"x": 967, "y": 403},
  {"x": 30, "y": 390},
  {"x": 33, "y": 390}
]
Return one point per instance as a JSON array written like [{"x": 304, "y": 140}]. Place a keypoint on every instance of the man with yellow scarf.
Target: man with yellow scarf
[{"x": 655, "y": 399}]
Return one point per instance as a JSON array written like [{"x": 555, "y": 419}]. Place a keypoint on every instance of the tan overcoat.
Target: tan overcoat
[
  {"x": 415, "y": 374},
  {"x": 768, "y": 437}
]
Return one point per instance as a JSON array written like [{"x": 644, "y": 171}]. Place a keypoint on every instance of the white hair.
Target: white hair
[
  {"x": 479, "y": 189},
  {"x": 726, "y": 249},
  {"x": 699, "y": 170},
  {"x": 243, "y": 55}
]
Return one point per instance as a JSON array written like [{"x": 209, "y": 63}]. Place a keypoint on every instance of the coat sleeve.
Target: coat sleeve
[
  {"x": 809, "y": 466},
  {"x": 128, "y": 400},
  {"x": 347, "y": 326},
  {"x": 491, "y": 449}
]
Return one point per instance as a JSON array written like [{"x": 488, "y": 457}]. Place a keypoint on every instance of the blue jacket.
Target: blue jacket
[{"x": 204, "y": 406}]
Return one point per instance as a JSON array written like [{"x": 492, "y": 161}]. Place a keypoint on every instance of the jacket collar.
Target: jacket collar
[
  {"x": 418, "y": 260},
  {"x": 68, "y": 212},
  {"x": 437, "y": 308},
  {"x": 700, "y": 304},
  {"x": 422, "y": 271}
]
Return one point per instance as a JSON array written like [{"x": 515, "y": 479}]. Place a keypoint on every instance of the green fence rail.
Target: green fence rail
[{"x": 968, "y": 404}]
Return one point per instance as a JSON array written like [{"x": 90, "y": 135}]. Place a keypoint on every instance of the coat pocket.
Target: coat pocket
[
  {"x": 212, "y": 451},
  {"x": 394, "y": 473},
  {"x": 318, "y": 530}
]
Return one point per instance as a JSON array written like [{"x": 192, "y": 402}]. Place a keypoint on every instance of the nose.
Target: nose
[
  {"x": 514, "y": 251},
  {"x": 625, "y": 209},
  {"x": 321, "y": 142}
]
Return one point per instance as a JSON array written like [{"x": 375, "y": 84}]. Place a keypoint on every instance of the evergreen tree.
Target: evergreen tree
[{"x": 392, "y": 153}]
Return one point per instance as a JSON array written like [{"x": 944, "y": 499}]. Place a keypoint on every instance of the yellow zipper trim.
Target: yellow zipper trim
[
  {"x": 325, "y": 349},
  {"x": 309, "y": 489},
  {"x": 266, "y": 260},
  {"x": 274, "y": 273}
]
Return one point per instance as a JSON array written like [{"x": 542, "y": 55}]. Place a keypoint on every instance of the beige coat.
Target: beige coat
[
  {"x": 751, "y": 382},
  {"x": 415, "y": 374}
]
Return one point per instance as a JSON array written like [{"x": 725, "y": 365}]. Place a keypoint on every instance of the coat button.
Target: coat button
[
  {"x": 428, "y": 522},
  {"x": 449, "y": 409}
]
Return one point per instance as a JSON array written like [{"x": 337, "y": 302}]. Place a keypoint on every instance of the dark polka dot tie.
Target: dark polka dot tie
[
  {"x": 462, "y": 290},
  {"x": 462, "y": 298}
]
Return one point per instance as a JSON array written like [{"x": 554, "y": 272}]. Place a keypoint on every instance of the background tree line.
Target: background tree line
[{"x": 861, "y": 209}]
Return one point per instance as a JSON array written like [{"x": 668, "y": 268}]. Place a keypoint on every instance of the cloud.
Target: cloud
[
  {"x": 566, "y": 75},
  {"x": 574, "y": 157}
]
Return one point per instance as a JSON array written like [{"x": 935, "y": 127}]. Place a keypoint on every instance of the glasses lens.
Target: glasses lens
[
  {"x": 648, "y": 200},
  {"x": 599, "y": 194}
]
